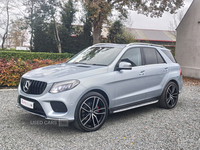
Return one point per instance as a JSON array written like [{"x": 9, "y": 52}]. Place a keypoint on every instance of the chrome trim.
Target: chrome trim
[
  {"x": 26, "y": 85},
  {"x": 124, "y": 109},
  {"x": 147, "y": 44}
]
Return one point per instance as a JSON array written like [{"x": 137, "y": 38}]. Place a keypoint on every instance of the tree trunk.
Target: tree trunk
[
  {"x": 57, "y": 38},
  {"x": 31, "y": 40},
  {"x": 6, "y": 32},
  {"x": 96, "y": 33}
]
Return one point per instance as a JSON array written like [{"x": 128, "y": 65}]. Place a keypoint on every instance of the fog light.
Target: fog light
[{"x": 58, "y": 106}]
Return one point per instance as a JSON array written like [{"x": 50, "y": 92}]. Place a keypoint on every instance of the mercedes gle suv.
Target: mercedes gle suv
[{"x": 102, "y": 79}]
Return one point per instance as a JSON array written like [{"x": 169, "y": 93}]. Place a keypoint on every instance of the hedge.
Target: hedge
[
  {"x": 33, "y": 55},
  {"x": 12, "y": 70},
  {"x": 13, "y": 50}
]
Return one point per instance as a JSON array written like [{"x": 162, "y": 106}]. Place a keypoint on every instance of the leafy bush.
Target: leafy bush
[
  {"x": 13, "y": 49},
  {"x": 32, "y": 55},
  {"x": 12, "y": 70}
]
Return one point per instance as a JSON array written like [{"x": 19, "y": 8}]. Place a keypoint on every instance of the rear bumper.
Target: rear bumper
[{"x": 180, "y": 83}]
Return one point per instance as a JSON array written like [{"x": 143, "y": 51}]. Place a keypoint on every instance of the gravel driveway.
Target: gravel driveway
[{"x": 147, "y": 128}]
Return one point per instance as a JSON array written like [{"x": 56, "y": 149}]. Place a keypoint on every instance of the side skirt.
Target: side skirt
[{"x": 134, "y": 105}]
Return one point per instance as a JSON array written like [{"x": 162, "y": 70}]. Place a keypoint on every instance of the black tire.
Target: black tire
[
  {"x": 91, "y": 112},
  {"x": 169, "y": 97}
]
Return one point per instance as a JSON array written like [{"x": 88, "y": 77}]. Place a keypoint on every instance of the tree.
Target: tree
[
  {"x": 30, "y": 8},
  {"x": 43, "y": 28},
  {"x": 18, "y": 32},
  {"x": 42, "y": 20},
  {"x": 86, "y": 36},
  {"x": 101, "y": 9},
  {"x": 9, "y": 9},
  {"x": 118, "y": 35},
  {"x": 53, "y": 5},
  {"x": 115, "y": 31},
  {"x": 176, "y": 20},
  {"x": 67, "y": 17},
  {"x": 6, "y": 21}
]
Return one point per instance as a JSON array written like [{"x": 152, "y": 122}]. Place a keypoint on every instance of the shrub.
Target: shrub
[
  {"x": 33, "y": 55},
  {"x": 119, "y": 35},
  {"x": 12, "y": 70}
]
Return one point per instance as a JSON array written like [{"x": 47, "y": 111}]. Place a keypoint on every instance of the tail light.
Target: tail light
[{"x": 180, "y": 72}]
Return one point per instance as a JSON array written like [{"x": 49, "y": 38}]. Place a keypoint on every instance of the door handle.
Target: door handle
[
  {"x": 142, "y": 73},
  {"x": 166, "y": 69}
]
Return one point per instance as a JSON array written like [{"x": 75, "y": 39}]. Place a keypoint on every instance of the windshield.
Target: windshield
[{"x": 96, "y": 56}]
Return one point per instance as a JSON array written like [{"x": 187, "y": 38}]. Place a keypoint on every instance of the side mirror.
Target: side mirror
[{"x": 124, "y": 66}]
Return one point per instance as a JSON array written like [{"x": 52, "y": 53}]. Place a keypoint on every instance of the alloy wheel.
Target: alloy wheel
[
  {"x": 172, "y": 95},
  {"x": 92, "y": 112}
]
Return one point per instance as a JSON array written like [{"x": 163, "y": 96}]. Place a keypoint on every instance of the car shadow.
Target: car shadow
[
  {"x": 39, "y": 123},
  {"x": 132, "y": 113},
  {"x": 35, "y": 122}
]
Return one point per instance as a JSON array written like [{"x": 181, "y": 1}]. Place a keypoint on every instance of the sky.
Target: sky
[{"x": 142, "y": 22}]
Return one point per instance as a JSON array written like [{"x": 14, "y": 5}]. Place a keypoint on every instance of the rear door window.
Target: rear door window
[
  {"x": 159, "y": 58},
  {"x": 152, "y": 56}
]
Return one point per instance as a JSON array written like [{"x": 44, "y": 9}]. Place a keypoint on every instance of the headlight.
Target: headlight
[{"x": 64, "y": 86}]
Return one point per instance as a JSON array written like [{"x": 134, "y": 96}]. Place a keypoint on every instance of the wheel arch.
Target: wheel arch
[
  {"x": 102, "y": 93},
  {"x": 172, "y": 80}
]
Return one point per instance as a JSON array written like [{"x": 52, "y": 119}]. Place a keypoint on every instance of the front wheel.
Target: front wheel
[
  {"x": 91, "y": 112},
  {"x": 169, "y": 97}
]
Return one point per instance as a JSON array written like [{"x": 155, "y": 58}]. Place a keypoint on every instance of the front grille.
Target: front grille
[{"x": 36, "y": 87}]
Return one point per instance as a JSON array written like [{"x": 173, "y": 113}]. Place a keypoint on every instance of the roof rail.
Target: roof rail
[
  {"x": 148, "y": 44},
  {"x": 101, "y": 43},
  {"x": 106, "y": 44}
]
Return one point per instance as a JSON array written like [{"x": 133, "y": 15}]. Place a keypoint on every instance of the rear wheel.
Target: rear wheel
[
  {"x": 91, "y": 112},
  {"x": 169, "y": 97}
]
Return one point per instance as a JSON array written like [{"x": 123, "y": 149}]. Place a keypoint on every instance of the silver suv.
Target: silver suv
[{"x": 102, "y": 79}]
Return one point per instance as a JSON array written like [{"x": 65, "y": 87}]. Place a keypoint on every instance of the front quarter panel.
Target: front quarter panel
[{"x": 100, "y": 82}]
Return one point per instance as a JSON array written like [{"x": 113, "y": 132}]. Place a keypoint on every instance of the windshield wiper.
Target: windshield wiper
[
  {"x": 99, "y": 64},
  {"x": 89, "y": 64},
  {"x": 80, "y": 63}
]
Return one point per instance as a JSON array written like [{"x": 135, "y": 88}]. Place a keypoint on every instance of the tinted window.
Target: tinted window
[
  {"x": 132, "y": 56},
  {"x": 152, "y": 56},
  {"x": 160, "y": 59},
  {"x": 170, "y": 56}
]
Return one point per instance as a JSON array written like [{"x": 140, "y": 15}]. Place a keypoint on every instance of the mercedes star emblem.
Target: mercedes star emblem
[{"x": 27, "y": 85}]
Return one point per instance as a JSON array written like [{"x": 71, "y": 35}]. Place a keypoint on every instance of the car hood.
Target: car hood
[{"x": 64, "y": 71}]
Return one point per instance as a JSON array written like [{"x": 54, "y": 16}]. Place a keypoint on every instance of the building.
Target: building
[
  {"x": 162, "y": 37},
  {"x": 188, "y": 42}
]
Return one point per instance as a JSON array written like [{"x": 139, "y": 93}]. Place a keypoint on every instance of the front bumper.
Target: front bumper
[{"x": 42, "y": 103}]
